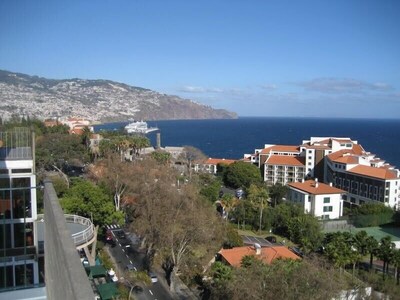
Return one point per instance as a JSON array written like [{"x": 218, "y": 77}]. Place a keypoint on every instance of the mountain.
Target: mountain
[{"x": 96, "y": 100}]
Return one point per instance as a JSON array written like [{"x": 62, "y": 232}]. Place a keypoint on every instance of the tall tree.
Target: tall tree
[
  {"x": 172, "y": 222},
  {"x": 277, "y": 192},
  {"x": 258, "y": 195},
  {"x": 372, "y": 247},
  {"x": 88, "y": 200},
  {"x": 190, "y": 155},
  {"x": 385, "y": 252},
  {"x": 305, "y": 230},
  {"x": 241, "y": 175}
]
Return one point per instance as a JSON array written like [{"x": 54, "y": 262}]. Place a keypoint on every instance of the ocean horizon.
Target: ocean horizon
[{"x": 232, "y": 138}]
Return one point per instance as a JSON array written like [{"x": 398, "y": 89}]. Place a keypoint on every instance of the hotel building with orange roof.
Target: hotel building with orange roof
[{"x": 337, "y": 160}]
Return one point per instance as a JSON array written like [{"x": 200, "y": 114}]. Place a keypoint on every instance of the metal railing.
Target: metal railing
[
  {"x": 83, "y": 236},
  {"x": 16, "y": 144}
]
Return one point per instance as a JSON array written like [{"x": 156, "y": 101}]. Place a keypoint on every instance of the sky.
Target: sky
[{"x": 256, "y": 58}]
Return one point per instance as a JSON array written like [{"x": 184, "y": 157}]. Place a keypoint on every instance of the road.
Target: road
[
  {"x": 251, "y": 240},
  {"x": 124, "y": 256}
]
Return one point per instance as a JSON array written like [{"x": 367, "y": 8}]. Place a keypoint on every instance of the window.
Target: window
[
  {"x": 5, "y": 203},
  {"x": 21, "y": 198},
  {"x": 16, "y": 171},
  {"x": 327, "y": 200},
  {"x": 328, "y": 208}
]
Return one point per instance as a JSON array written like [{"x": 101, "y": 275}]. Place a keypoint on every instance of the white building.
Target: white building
[
  {"x": 321, "y": 200},
  {"x": 364, "y": 177},
  {"x": 19, "y": 260}
]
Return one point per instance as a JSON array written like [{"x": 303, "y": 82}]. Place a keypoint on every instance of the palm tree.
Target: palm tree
[
  {"x": 360, "y": 242},
  {"x": 396, "y": 263},
  {"x": 258, "y": 196},
  {"x": 372, "y": 246},
  {"x": 339, "y": 251},
  {"x": 385, "y": 253},
  {"x": 359, "y": 245}
]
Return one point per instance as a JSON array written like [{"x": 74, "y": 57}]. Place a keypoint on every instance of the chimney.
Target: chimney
[
  {"x": 258, "y": 248},
  {"x": 158, "y": 143},
  {"x": 330, "y": 183},
  {"x": 302, "y": 180},
  {"x": 316, "y": 182}
]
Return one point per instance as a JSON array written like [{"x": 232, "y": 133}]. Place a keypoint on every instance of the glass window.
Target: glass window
[
  {"x": 21, "y": 198},
  {"x": 24, "y": 275},
  {"x": 19, "y": 235},
  {"x": 327, "y": 200},
  {"x": 6, "y": 277},
  {"x": 16, "y": 171},
  {"x": 5, "y": 202},
  {"x": 5, "y": 236},
  {"x": 328, "y": 208}
]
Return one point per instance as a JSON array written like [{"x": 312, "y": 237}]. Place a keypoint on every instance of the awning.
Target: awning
[
  {"x": 97, "y": 271},
  {"x": 107, "y": 290}
]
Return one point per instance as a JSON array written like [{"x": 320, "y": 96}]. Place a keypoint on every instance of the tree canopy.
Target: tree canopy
[
  {"x": 89, "y": 200},
  {"x": 241, "y": 174}
]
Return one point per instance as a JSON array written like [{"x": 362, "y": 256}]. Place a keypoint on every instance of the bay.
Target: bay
[{"x": 234, "y": 137}]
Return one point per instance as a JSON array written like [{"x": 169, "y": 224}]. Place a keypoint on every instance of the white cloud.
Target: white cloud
[
  {"x": 199, "y": 89},
  {"x": 342, "y": 85},
  {"x": 269, "y": 87}
]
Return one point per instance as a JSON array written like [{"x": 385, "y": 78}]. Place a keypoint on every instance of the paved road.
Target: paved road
[
  {"x": 251, "y": 240},
  {"x": 124, "y": 256}
]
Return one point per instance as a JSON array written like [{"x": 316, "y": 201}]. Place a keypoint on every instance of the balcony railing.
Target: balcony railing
[
  {"x": 16, "y": 144},
  {"x": 81, "y": 237}
]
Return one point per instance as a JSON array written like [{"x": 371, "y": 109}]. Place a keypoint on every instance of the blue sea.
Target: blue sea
[{"x": 233, "y": 138}]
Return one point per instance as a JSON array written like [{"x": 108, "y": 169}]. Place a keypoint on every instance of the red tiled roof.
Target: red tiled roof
[
  {"x": 285, "y": 160},
  {"x": 280, "y": 148},
  {"x": 317, "y": 147},
  {"x": 235, "y": 255},
  {"x": 358, "y": 149},
  {"x": 216, "y": 161},
  {"x": 347, "y": 159},
  {"x": 381, "y": 173},
  {"x": 310, "y": 187},
  {"x": 335, "y": 155},
  {"x": 342, "y": 140}
]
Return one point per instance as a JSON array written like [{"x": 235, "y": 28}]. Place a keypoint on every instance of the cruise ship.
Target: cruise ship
[{"x": 139, "y": 127}]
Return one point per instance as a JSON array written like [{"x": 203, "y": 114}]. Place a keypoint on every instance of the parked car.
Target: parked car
[
  {"x": 271, "y": 239},
  {"x": 239, "y": 193},
  {"x": 120, "y": 234},
  {"x": 109, "y": 235},
  {"x": 153, "y": 277},
  {"x": 130, "y": 267},
  {"x": 296, "y": 251}
]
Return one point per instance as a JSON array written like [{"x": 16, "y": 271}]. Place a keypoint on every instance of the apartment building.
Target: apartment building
[
  {"x": 210, "y": 165},
  {"x": 340, "y": 161},
  {"x": 19, "y": 267},
  {"x": 364, "y": 177},
  {"x": 321, "y": 200}
]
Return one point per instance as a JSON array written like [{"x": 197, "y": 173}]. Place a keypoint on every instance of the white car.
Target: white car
[{"x": 153, "y": 277}]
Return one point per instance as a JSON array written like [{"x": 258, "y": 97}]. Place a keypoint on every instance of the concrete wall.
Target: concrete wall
[{"x": 65, "y": 276}]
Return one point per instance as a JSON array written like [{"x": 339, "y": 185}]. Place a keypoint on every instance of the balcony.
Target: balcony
[
  {"x": 16, "y": 144},
  {"x": 82, "y": 230}
]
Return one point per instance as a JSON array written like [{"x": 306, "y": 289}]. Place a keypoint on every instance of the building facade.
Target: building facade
[
  {"x": 340, "y": 161},
  {"x": 364, "y": 177},
  {"x": 321, "y": 200},
  {"x": 19, "y": 266}
]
